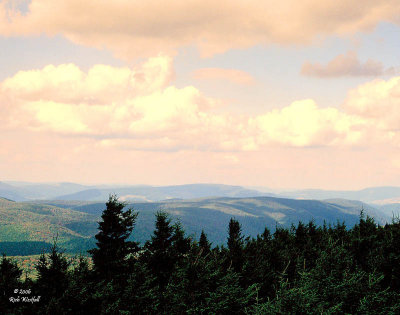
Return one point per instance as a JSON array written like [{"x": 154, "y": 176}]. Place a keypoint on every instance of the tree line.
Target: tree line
[{"x": 305, "y": 269}]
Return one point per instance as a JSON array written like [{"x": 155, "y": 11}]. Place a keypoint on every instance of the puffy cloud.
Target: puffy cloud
[
  {"x": 304, "y": 124},
  {"x": 101, "y": 85},
  {"x": 107, "y": 102},
  {"x": 379, "y": 101},
  {"x": 139, "y": 109},
  {"x": 343, "y": 65},
  {"x": 231, "y": 75},
  {"x": 143, "y": 28}
]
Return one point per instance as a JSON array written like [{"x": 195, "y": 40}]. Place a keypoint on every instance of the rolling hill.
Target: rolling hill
[
  {"x": 30, "y": 228},
  {"x": 30, "y": 225}
]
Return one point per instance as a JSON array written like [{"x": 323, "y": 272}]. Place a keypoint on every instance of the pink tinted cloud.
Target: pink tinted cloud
[
  {"x": 230, "y": 75},
  {"x": 157, "y": 133},
  {"x": 145, "y": 28},
  {"x": 121, "y": 109},
  {"x": 345, "y": 65},
  {"x": 379, "y": 101}
]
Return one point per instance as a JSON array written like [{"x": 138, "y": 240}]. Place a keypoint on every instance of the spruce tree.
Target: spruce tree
[
  {"x": 180, "y": 243},
  {"x": 53, "y": 278},
  {"x": 204, "y": 244},
  {"x": 113, "y": 247},
  {"x": 235, "y": 245},
  {"x": 159, "y": 250},
  {"x": 160, "y": 256},
  {"x": 10, "y": 275}
]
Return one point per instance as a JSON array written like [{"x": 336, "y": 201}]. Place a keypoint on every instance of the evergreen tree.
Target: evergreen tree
[
  {"x": 235, "y": 245},
  {"x": 160, "y": 256},
  {"x": 302, "y": 270},
  {"x": 140, "y": 295},
  {"x": 53, "y": 279},
  {"x": 78, "y": 297},
  {"x": 110, "y": 256},
  {"x": 204, "y": 244},
  {"x": 159, "y": 250},
  {"x": 10, "y": 275},
  {"x": 229, "y": 297},
  {"x": 181, "y": 244}
]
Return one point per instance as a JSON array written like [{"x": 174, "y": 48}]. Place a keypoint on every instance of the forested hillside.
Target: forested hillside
[
  {"x": 26, "y": 228},
  {"x": 304, "y": 269}
]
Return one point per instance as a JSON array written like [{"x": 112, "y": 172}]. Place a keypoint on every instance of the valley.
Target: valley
[{"x": 28, "y": 228}]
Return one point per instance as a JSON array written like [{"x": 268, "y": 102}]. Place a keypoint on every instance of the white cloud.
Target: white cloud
[
  {"x": 304, "y": 124},
  {"x": 101, "y": 85},
  {"x": 140, "y": 109},
  {"x": 379, "y": 101}
]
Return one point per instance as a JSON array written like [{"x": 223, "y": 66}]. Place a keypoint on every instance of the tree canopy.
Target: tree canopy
[{"x": 307, "y": 269}]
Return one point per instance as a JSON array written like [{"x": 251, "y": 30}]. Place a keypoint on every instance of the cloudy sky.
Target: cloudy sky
[{"x": 288, "y": 94}]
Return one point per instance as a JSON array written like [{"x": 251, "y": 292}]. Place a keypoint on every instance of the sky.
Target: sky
[{"x": 288, "y": 94}]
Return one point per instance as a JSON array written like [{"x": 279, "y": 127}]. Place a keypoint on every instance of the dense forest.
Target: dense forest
[{"x": 306, "y": 269}]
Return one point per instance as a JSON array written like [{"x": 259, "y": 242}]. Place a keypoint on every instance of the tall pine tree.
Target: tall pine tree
[
  {"x": 235, "y": 245},
  {"x": 10, "y": 275},
  {"x": 113, "y": 247},
  {"x": 159, "y": 250}
]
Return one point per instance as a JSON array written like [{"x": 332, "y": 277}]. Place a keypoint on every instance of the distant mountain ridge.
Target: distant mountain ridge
[
  {"x": 376, "y": 195},
  {"x": 20, "y": 191},
  {"x": 70, "y": 191}
]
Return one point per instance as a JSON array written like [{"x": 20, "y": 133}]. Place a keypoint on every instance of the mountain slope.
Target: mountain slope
[
  {"x": 27, "y": 222},
  {"x": 213, "y": 214}
]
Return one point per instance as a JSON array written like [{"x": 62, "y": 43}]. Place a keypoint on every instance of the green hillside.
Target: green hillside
[
  {"x": 76, "y": 222},
  {"x": 29, "y": 227}
]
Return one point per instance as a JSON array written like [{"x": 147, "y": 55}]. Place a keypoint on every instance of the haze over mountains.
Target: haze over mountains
[
  {"x": 21, "y": 191},
  {"x": 375, "y": 195},
  {"x": 18, "y": 191}
]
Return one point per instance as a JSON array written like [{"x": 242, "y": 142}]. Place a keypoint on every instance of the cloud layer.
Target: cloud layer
[
  {"x": 378, "y": 101},
  {"x": 146, "y": 28},
  {"x": 140, "y": 109}
]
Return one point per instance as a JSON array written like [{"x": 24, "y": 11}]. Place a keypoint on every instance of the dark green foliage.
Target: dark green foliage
[
  {"x": 235, "y": 246},
  {"x": 229, "y": 297},
  {"x": 76, "y": 222},
  {"x": 53, "y": 279},
  {"x": 10, "y": 275},
  {"x": 181, "y": 244},
  {"x": 164, "y": 254},
  {"x": 306, "y": 269},
  {"x": 109, "y": 258},
  {"x": 141, "y": 294},
  {"x": 159, "y": 254},
  {"x": 78, "y": 297},
  {"x": 204, "y": 244},
  {"x": 24, "y": 248}
]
